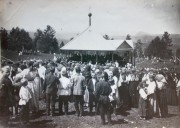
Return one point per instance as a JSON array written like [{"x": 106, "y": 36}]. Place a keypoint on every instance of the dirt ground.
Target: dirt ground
[{"x": 125, "y": 119}]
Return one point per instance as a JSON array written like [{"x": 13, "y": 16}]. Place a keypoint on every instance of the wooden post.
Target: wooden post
[
  {"x": 112, "y": 56},
  {"x": 96, "y": 57},
  {"x": 81, "y": 57}
]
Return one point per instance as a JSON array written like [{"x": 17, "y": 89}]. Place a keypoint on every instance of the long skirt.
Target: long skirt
[
  {"x": 124, "y": 95},
  {"x": 152, "y": 106},
  {"x": 86, "y": 97},
  {"x": 133, "y": 93},
  {"x": 38, "y": 88},
  {"x": 162, "y": 102},
  {"x": 34, "y": 100}
]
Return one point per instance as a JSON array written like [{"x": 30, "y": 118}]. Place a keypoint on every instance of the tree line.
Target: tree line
[{"x": 19, "y": 39}]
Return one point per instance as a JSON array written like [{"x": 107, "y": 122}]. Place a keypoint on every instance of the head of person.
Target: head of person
[
  {"x": 78, "y": 69},
  {"x": 6, "y": 71},
  {"x": 105, "y": 76},
  {"x": 93, "y": 75},
  {"x": 51, "y": 69},
  {"x": 30, "y": 65},
  {"x": 63, "y": 71},
  {"x": 24, "y": 82},
  {"x": 151, "y": 77}
]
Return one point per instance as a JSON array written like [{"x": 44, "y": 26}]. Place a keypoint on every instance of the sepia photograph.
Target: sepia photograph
[{"x": 90, "y": 63}]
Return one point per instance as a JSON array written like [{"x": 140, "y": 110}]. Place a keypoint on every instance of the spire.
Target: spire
[{"x": 90, "y": 14}]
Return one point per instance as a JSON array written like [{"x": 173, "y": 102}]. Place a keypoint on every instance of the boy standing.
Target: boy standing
[{"x": 25, "y": 96}]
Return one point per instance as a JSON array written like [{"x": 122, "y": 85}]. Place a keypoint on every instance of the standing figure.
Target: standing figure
[
  {"x": 91, "y": 88},
  {"x": 142, "y": 107},
  {"x": 6, "y": 95},
  {"x": 64, "y": 91},
  {"x": 78, "y": 88},
  {"x": 152, "y": 104},
  {"x": 25, "y": 96},
  {"x": 50, "y": 88},
  {"x": 102, "y": 93},
  {"x": 113, "y": 94},
  {"x": 161, "y": 95}
]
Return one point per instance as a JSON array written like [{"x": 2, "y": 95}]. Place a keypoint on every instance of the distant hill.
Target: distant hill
[{"x": 146, "y": 38}]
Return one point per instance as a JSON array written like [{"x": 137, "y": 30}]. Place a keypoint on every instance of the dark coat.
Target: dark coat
[
  {"x": 6, "y": 92},
  {"x": 50, "y": 84},
  {"x": 102, "y": 92}
]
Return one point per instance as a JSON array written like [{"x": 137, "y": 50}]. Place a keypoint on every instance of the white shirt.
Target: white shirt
[
  {"x": 23, "y": 73},
  {"x": 151, "y": 87},
  {"x": 64, "y": 86},
  {"x": 42, "y": 71},
  {"x": 143, "y": 94},
  {"x": 94, "y": 82},
  {"x": 178, "y": 84},
  {"x": 24, "y": 95},
  {"x": 114, "y": 90}
]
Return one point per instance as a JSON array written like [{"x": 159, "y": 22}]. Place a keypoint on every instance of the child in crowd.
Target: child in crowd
[
  {"x": 142, "y": 108},
  {"x": 112, "y": 95},
  {"x": 25, "y": 96}
]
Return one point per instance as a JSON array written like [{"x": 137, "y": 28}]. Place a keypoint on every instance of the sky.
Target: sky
[{"x": 111, "y": 17}]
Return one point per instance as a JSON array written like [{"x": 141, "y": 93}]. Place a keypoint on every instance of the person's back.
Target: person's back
[
  {"x": 102, "y": 92},
  {"x": 50, "y": 88},
  {"x": 78, "y": 84}
]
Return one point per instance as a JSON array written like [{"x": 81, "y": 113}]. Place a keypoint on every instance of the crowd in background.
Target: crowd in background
[{"x": 104, "y": 89}]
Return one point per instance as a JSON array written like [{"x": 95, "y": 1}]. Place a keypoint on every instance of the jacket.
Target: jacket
[
  {"x": 50, "y": 84},
  {"x": 78, "y": 84}
]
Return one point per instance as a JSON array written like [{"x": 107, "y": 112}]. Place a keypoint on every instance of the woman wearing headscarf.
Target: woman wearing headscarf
[
  {"x": 151, "y": 92},
  {"x": 161, "y": 95}
]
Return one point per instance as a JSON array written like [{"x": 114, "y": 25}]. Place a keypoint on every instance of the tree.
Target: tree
[
  {"x": 128, "y": 37},
  {"x": 4, "y": 38},
  {"x": 167, "y": 42},
  {"x": 61, "y": 45},
  {"x": 138, "y": 49},
  {"x": 46, "y": 41},
  {"x": 159, "y": 47},
  {"x": 19, "y": 39}
]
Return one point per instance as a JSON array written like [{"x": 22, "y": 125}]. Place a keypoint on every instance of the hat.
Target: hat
[
  {"x": 78, "y": 69},
  {"x": 63, "y": 71}
]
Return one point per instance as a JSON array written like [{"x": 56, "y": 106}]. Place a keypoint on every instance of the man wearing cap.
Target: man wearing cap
[
  {"x": 64, "y": 91},
  {"x": 6, "y": 96},
  {"x": 50, "y": 88},
  {"x": 78, "y": 88}
]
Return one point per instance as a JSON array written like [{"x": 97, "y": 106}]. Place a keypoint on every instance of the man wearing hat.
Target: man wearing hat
[
  {"x": 64, "y": 91},
  {"x": 50, "y": 88},
  {"x": 78, "y": 91}
]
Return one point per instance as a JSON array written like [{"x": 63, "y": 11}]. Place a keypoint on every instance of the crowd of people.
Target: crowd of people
[{"x": 104, "y": 89}]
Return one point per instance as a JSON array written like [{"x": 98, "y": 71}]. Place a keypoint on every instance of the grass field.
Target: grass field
[{"x": 140, "y": 64}]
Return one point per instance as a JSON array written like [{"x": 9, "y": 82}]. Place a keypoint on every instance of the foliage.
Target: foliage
[
  {"x": 138, "y": 49},
  {"x": 45, "y": 41},
  {"x": 160, "y": 47},
  {"x": 61, "y": 45},
  {"x": 128, "y": 37},
  {"x": 19, "y": 39},
  {"x": 4, "y": 38}
]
